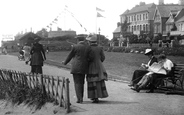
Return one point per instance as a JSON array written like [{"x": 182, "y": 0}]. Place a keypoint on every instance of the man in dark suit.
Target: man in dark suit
[
  {"x": 138, "y": 74},
  {"x": 80, "y": 55}
]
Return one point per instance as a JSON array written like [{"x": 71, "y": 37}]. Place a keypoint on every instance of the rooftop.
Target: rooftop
[
  {"x": 141, "y": 8},
  {"x": 166, "y": 9}
]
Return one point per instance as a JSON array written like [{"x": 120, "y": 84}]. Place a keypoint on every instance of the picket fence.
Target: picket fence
[{"x": 55, "y": 87}]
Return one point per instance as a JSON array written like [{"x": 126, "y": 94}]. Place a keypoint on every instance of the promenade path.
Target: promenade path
[{"x": 121, "y": 101}]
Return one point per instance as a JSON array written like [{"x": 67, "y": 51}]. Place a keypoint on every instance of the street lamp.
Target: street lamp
[{"x": 99, "y": 35}]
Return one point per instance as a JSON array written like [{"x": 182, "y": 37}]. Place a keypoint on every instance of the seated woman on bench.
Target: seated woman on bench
[{"x": 157, "y": 70}]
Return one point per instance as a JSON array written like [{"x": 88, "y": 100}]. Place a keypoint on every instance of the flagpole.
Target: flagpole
[{"x": 96, "y": 22}]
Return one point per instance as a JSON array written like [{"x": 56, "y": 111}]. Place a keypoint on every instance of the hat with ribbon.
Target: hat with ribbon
[
  {"x": 91, "y": 38},
  {"x": 148, "y": 51}
]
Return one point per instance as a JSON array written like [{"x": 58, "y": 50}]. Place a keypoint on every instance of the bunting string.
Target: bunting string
[{"x": 72, "y": 15}]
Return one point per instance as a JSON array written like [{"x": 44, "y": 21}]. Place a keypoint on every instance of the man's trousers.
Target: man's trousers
[{"x": 79, "y": 85}]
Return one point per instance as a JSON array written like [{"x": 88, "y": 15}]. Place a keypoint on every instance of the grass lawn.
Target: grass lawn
[{"x": 118, "y": 65}]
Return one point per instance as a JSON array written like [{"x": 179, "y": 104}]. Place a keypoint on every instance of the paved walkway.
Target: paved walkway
[{"x": 121, "y": 101}]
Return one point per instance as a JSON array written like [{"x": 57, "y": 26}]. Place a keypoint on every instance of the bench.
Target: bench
[{"x": 176, "y": 79}]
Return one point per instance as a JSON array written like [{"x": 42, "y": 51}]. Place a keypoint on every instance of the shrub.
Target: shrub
[
  {"x": 127, "y": 50},
  {"x": 109, "y": 49},
  {"x": 118, "y": 49}
]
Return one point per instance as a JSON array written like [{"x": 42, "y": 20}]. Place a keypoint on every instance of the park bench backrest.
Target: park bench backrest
[
  {"x": 177, "y": 70},
  {"x": 177, "y": 75}
]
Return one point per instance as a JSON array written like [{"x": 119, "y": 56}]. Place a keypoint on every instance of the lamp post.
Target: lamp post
[{"x": 99, "y": 35}]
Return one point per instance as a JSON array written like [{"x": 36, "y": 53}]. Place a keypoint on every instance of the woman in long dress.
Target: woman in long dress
[
  {"x": 97, "y": 74},
  {"x": 37, "y": 57},
  {"x": 27, "y": 50}
]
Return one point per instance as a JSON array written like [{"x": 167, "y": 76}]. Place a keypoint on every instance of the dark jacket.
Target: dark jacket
[
  {"x": 80, "y": 54},
  {"x": 37, "y": 54},
  {"x": 153, "y": 59}
]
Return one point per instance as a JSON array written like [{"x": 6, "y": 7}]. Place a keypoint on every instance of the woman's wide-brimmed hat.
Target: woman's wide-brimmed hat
[
  {"x": 92, "y": 38},
  {"x": 148, "y": 51}
]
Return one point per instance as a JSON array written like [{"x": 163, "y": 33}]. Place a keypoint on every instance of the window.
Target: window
[
  {"x": 146, "y": 16},
  {"x": 129, "y": 18},
  {"x": 134, "y": 17},
  {"x": 134, "y": 28},
  {"x": 181, "y": 27},
  {"x": 143, "y": 16},
  {"x": 137, "y": 27},
  {"x": 140, "y": 27},
  {"x": 158, "y": 29},
  {"x": 140, "y": 17},
  {"x": 155, "y": 29},
  {"x": 144, "y": 28},
  {"x": 137, "y": 17}
]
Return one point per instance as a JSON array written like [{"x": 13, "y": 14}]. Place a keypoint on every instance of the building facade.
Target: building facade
[
  {"x": 164, "y": 18},
  {"x": 140, "y": 18}
]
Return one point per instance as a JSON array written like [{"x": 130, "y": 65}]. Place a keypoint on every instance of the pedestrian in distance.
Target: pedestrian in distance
[
  {"x": 27, "y": 50},
  {"x": 80, "y": 55},
  {"x": 97, "y": 74},
  {"x": 37, "y": 57},
  {"x": 47, "y": 49}
]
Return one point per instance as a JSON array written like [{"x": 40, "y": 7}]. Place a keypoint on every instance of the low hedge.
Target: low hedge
[{"x": 175, "y": 51}]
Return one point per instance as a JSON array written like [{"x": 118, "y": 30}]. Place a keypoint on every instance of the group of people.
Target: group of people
[
  {"x": 155, "y": 69},
  {"x": 87, "y": 62}
]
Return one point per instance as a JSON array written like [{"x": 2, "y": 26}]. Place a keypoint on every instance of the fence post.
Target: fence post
[
  {"x": 42, "y": 85},
  {"x": 67, "y": 95},
  {"x": 62, "y": 87}
]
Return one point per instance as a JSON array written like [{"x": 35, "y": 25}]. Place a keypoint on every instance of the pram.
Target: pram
[{"x": 21, "y": 55}]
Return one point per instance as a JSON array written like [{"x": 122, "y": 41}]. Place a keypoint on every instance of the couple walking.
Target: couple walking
[{"x": 87, "y": 61}]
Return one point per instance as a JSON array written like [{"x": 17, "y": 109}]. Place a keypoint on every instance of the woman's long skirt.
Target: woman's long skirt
[{"x": 97, "y": 89}]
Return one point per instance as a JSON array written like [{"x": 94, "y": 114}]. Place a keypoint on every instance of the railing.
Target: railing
[{"x": 55, "y": 87}]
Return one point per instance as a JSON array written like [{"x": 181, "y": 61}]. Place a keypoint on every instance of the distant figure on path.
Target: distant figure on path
[
  {"x": 80, "y": 55},
  {"x": 96, "y": 74},
  {"x": 5, "y": 50},
  {"x": 47, "y": 49},
  {"x": 27, "y": 50},
  {"x": 37, "y": 57}
]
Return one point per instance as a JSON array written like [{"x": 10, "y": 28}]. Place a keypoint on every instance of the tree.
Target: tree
[
  {"x": 157, "y": 38},
  {"x": 124, "y": 26}
]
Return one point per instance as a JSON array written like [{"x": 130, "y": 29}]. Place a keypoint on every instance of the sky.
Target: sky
[{"x": 25, "y": 15}]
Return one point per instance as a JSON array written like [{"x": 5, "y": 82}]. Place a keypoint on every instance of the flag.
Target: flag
[
  {"x": 98, "y": 9},
  {"x": 99, "y": 15},
  {"x": 55, "y": 19}
]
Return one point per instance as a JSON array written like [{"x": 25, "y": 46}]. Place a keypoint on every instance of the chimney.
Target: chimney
[
  {"x": 142, "y": 3},
  {"x": 181, "y": 2},
  {"x": 161, "y": 2}
]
